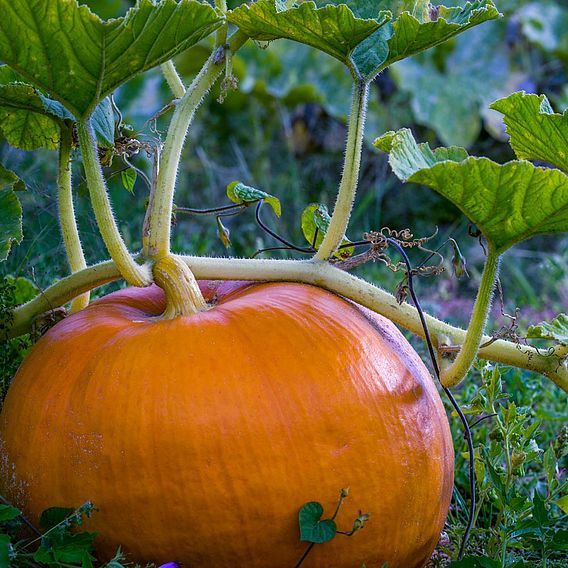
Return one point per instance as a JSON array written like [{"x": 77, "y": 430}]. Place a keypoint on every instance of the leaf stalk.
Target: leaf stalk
[
  {"x": 132, "y": 272},
  {"x": 157, "y": 224},
  {"x": 350, "y": 177},
  {"x": 67, "y": 219},
  {"x": 173, "y": 79},
  {"x": 455, "y": 373}
]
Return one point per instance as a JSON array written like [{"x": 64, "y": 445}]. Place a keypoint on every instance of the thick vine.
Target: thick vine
[{"x": 320, "y": 274}]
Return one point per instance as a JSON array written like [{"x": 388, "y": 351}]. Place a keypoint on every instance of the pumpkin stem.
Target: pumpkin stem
[{"x": 183, "y": 296}]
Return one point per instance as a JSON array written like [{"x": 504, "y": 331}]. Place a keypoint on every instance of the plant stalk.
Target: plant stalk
[
  {"x": 454, "y": 374},
  {"x": 173, "y": 79},
  {"x": 183, "y": 296},
  {"x": 350, "y": 177},
  {"x": 132, "y": 272},
  {"x": 319, "y": 274},
  {"x": 157, "y": 224},
  {"x": 67, "y": 220}
]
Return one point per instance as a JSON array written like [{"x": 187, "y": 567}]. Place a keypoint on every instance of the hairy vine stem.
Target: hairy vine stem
[
  {"x": 320, "y": 274},
  {"x": 132, "y": 272},
  {"x": 173, "y": 79},
  {"x": 157, "y": 224},
  {"x": 67, "y": 220},
  {"x": 454, "y": 374},
  {"x": 350, "y": 177}
]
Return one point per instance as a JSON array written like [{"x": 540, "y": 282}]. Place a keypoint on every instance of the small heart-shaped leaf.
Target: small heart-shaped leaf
[
  {"x": 312, "y": 529},
  {"x": 128, "y": 178},
  {"x": 508, "y": 202},
  {"x": 536, "y": 132}
]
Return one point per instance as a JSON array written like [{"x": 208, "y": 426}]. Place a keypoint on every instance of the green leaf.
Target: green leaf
[
  {"x": 128, "y": 178},
  {"x": 556, "y": 329},
  {"x": 10, "y": 213},
  {"x": 238, "y": 192},
  {"x": 30, "y": 120},
  {"x": 312, "y": 529},
  {"x": 332, "y": 29},
  {"x": 54, "y": 516},
  {"x": 315, "y": 223},
  {"x": 5, "y": 550},
  {"x": 536, "y": 131},
  {"x": 103, "y": 123},
  {"x": 414, "y": 32},
  {"x": 24, "y": 289},
  {"x": 8, "y": 513},
  {"x": 78, "y": 59},
  {"x": 509, "y": 203},
  {"x": 545, "y": 24},
  {"x": 66, "y": 548},
  {"x": 540, "y": 514},
  {"x": 562, "y": 503},
  {"x": 410, "y": 35},
  {"x": 24, "y": 120}
]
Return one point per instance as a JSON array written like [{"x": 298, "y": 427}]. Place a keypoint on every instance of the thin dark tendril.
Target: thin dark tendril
[
  {"x": 275, "y": 235},
  {"x": 236, "y": 207},
  {"x": 268, "y": 249},
  {"x": 480, "y": 420},
  {"x": 308, "y": 550},
  {"x": 467, "y": 429}
]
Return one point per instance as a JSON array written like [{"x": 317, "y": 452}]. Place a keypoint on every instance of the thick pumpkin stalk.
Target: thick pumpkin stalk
[
  {"x": 67, "y": 219},
  {"x": 132, "y": 272},
  {"x": 350, "y": 177},
  {"x": 183, "y": 296}
]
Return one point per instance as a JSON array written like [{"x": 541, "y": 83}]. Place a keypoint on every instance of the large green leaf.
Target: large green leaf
[
  {"x": 411, "y": 35},
  {"x": 509, "y": 202},
  {"x": 78, "y": 59},
  {"x": 332, "y": 29},
  {"x": 24, "y": 120},
  {"x": 10, "y": 213},
  {"x": 29, "y": 120},
  {"x": 536, "y": 131},
  {"x": 417, "y": 26}
]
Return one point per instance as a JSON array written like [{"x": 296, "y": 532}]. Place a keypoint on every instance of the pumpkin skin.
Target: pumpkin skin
[{"x": 198, "y": 439}]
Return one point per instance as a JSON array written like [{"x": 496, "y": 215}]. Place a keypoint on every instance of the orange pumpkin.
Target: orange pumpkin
[{"x": 198, "y": 439}]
